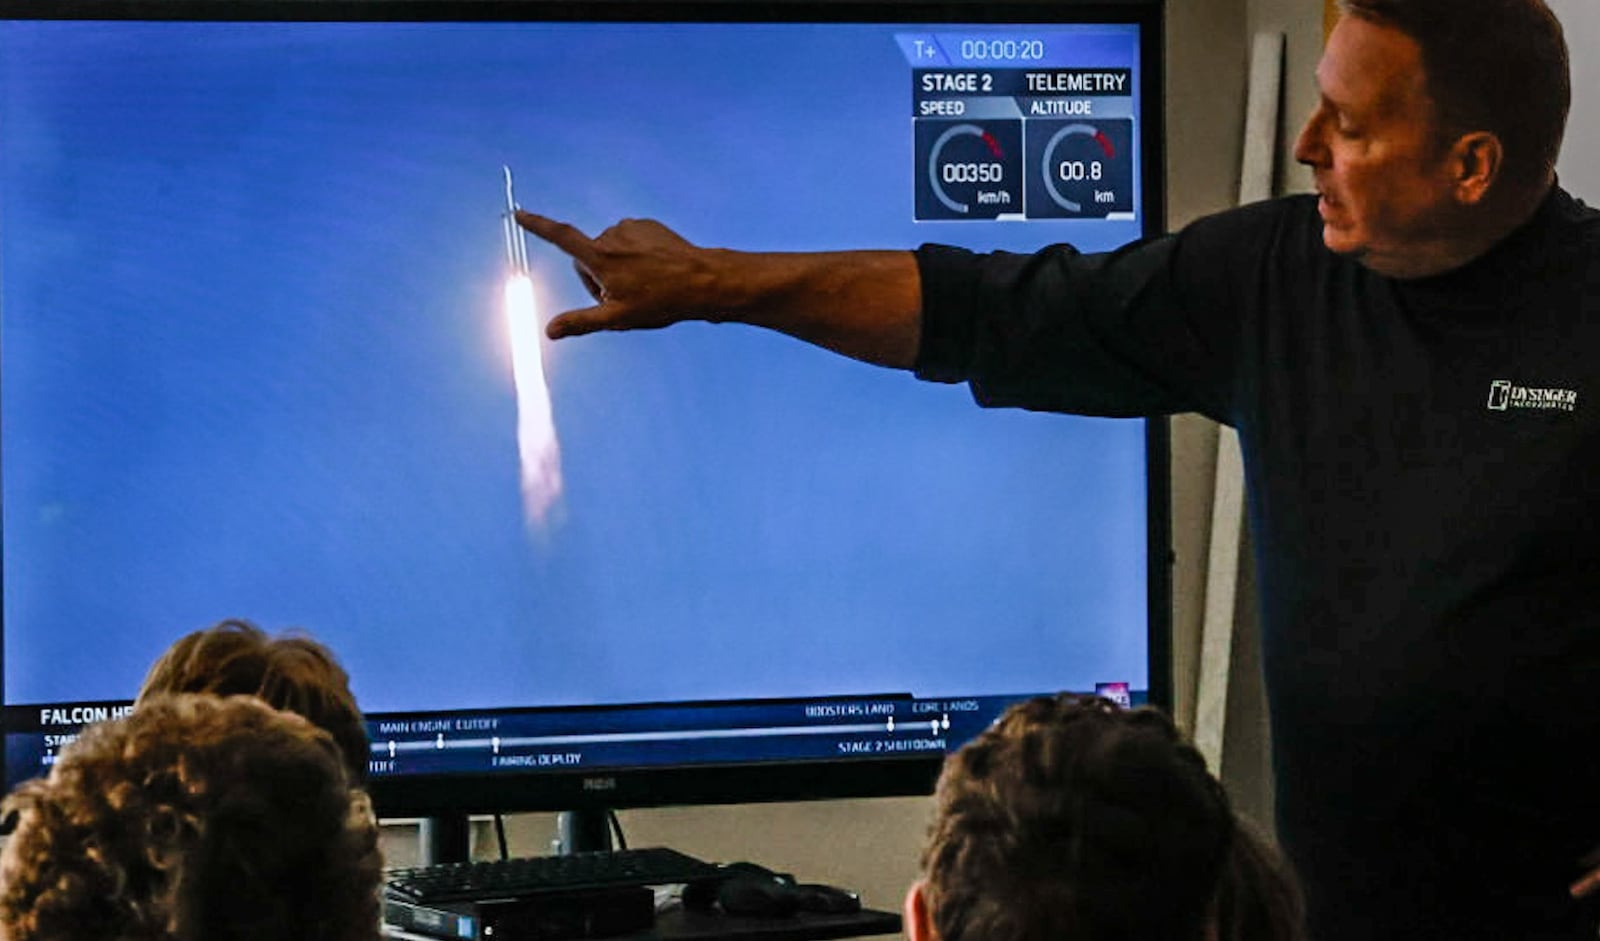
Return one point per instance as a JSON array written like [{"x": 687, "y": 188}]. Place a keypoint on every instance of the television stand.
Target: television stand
[
  {"x": 583, "y": 831},
  {"x": 444, "y": 839}
]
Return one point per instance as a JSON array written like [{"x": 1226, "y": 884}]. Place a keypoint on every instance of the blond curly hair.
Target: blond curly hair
[
  {"x": 194, "y": 818},
  {"x": 289, "y": 671}
]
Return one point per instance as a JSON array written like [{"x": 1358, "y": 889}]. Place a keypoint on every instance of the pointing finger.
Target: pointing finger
[
  {"x": 1587, "y": 885},
  {"x": 563, "y": 236}
]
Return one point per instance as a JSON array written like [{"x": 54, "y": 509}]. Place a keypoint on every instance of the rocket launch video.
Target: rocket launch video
[{"x": 537, "y": 447}]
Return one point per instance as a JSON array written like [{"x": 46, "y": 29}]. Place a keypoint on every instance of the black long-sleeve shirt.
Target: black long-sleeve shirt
[{"x": 1422, "y": 461}]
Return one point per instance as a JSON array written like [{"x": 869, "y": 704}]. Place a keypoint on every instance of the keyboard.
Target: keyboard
[{"x": 534, "y": 875}]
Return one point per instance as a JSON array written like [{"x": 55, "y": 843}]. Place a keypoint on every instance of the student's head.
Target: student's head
[
  {"x": 194, "y": 818},
  {"x": 1438, "y": 127},
  {"x": 289, "y": 671},
  {"x": 1071, "y": 818}
]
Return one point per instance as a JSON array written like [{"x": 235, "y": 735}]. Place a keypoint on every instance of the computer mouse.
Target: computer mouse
[
  {"x": 739, "y": 869},
  {"x": 826, "y": 899},
  {"x": 758, "y": 895},
  {"x": 700, "y": 894}
]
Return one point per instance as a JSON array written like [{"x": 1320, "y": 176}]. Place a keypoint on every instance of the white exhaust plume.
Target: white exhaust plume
[{"x": 537, "y": 446}]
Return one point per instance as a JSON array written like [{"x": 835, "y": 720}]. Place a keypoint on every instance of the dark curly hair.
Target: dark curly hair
[
  {"x": 290, "y": 671},
  {"x": 1074, "y": 818},
  {"x": 194, "y": 818}
]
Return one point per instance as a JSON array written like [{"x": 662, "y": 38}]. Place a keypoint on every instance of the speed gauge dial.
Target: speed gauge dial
[{"x": 969, "y": 169}]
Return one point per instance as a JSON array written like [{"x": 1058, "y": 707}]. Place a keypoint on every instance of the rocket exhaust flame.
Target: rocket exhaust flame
[
  {"x": 536, "y": 431},
  {"x": 537, "y": 446}
]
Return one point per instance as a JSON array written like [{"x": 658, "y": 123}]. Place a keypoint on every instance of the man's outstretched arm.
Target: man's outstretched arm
[{"x": 642, "y": 275}]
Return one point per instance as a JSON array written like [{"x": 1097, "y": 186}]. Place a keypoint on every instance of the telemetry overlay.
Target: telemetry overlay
[{"x": 1022, "y": 127}]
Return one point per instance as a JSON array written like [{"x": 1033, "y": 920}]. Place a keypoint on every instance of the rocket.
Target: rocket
[
  {"x": 516, "y": 248},
  {"x": 537, "y": 447}
]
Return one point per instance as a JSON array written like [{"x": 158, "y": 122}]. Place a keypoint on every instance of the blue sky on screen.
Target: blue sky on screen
[{"x": 254, "y": 365}]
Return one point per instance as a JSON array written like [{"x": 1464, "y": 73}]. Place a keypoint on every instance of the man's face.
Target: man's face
[{"x": 1384, "y": 176}]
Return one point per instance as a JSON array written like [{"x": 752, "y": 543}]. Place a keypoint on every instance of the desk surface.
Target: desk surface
[{"x": 680, "y": 924}]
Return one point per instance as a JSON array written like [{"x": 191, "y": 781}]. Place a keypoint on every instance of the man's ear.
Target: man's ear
[
  {"x": 1476, "y": 160},
  {"x": 917, "y": 916}
]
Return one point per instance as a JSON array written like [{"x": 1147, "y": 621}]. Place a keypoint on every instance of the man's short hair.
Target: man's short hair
[
  {"x": 1074, "y": 818},
  {"x": 1490, "y": 65},
  {"x": 290, "y": 671},
  {"x": 193, "y": 818}
]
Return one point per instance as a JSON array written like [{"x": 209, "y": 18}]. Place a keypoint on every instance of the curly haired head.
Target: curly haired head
[
  {"x": 290, "y": 671},
  {"x": 194, "y": 818},
  {"x": 1072, "y": 818}
]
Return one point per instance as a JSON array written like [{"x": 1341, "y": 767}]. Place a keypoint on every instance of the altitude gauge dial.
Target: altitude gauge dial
[
  {"x": 969, "y": 169},
  {"x": 1080, "y": 168}
]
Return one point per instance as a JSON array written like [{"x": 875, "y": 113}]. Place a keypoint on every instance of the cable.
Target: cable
[
  {"x": 616, "y": 827},
  {"x": 500, "y": 835}
]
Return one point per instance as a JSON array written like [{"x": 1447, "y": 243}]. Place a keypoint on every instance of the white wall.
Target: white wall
[
  {"x": 1247, "y": 755},
  {"x": 1579, "y": 165},
  {"x": 1301, "y": 23}
]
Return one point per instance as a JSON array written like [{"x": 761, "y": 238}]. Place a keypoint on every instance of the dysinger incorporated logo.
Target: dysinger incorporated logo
[{"x": 1505, "y": 395}]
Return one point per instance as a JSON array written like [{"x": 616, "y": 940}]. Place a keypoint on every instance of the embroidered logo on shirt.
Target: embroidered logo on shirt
[{"x": 1505, "y": 394}]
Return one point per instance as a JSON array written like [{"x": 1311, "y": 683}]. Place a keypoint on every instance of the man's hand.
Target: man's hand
[
  {"x": 1589, "y": 884},
  {"x": 642, "y": 274},
  {"x": 863, "y": 304}
]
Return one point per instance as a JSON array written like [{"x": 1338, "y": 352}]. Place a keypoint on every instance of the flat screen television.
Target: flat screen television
[{"x": 257, "y": 361}]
